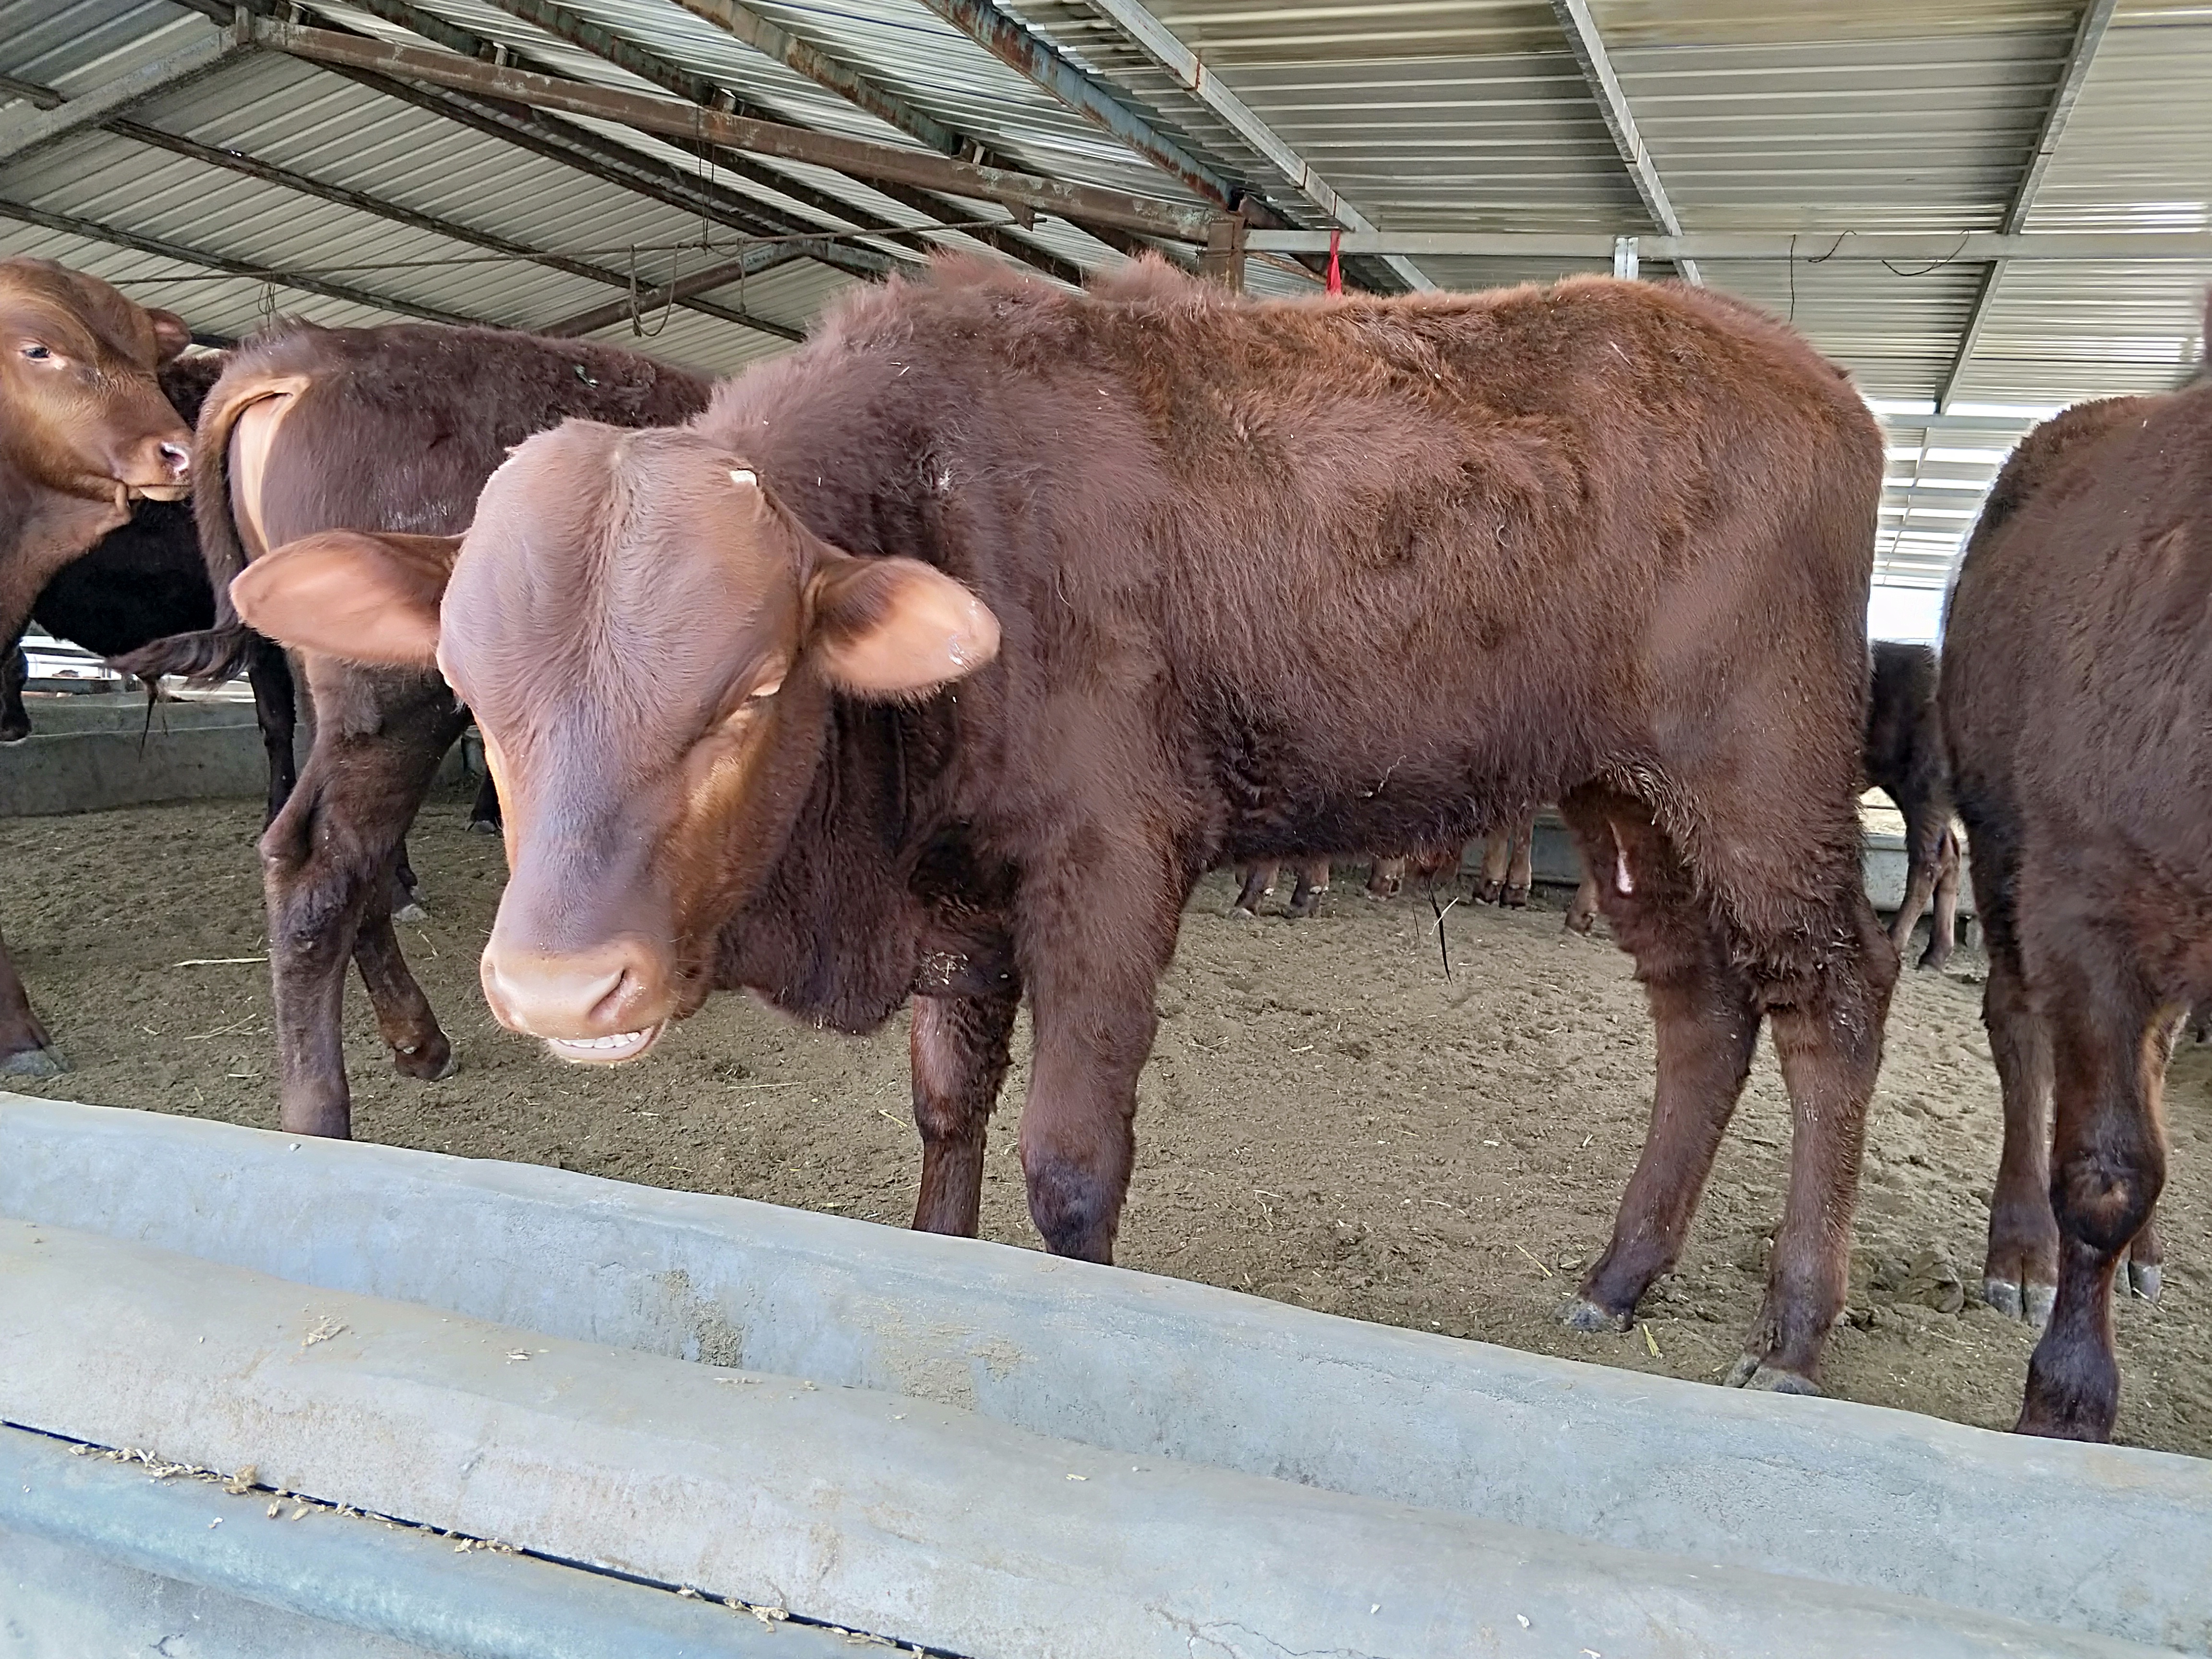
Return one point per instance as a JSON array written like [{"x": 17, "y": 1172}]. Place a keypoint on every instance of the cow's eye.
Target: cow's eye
[{"x": 37, "y": 354}]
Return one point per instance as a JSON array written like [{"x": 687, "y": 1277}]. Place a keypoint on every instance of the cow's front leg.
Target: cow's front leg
[
  {"x": 1092, "y": 942},
  {"x": 25, "y": 1050},
  {"x": 959, "y": 1047}
]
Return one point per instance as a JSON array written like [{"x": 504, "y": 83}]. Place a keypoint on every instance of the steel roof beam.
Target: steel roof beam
[
  {"x": 755, "y": 262},
  {"x": 31, "y": 92},
  {"x": 2088, "y": 34},
  {"x": 1044, "y": 65},
  {"x": 68, "y": 116},
  {"x": 1916, "y": 247},
  {"x": 803, "y": 58},
  {"x": 853, "y": 157},
  {"x": 231, "y": 161},
  {"x": 453, "y": 38},
  {"x": 609, "y": 47},
  {"x": 1167, "y": 50},
  {"x": 1589, "y": 48},
  {"x": 92, "y": 230},
  {"x": 594, "y": 155}
]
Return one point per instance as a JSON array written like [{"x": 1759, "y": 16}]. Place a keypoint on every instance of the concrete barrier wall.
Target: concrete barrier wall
[
  {"x": 1872, "y": 1503},
  {"x": 93, "y": 752}
]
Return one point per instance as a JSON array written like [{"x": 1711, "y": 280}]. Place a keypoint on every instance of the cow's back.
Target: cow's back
[
  {"x": 396, "y": 428},
  {"x": 1320, "y": 547}
]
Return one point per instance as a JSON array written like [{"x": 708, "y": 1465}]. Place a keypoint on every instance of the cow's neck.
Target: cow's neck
[
  {"x": 41, "y": 530},
  {"x": 837, "y": 933}
]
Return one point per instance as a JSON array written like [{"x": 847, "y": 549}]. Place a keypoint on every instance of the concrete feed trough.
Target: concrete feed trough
[{"x": 980, "y": 1449}]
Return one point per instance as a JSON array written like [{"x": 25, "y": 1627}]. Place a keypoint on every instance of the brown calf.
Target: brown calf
[
  {"x": 383, "y": 429},
  {"x": 83, "y": 425},
  {"x": 1606, "y": 544},
  {"x": 1385, "y": 876},
  {"x": 1906, "y": 761},
  {"x": 2077, "y": 695}
]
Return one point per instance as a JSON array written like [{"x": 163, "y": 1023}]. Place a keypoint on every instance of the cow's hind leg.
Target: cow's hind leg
[
  {"x": 959, "y": 1048},
  {"x": 277, "y": 712},
  {"x": 1520, "y": 869},
  {"x": 337, "y": 839},
  {"x": 485, "y": 816},
  {"x": 2107, "y": 1166},
  {"x": 26, "y": 1049},
  {"x": 1943, "y": 921},
  {"x": 1258, "y": 881},
  {"x": 1707, "y": 1023},
  {"x": 15, "y": 675},
  {"x": 1497, "y": 854},
  {"x": 2020, "y": 1273},
  {"x": 1312, "y": 889},
  {"x": 1386, "y": 878}
]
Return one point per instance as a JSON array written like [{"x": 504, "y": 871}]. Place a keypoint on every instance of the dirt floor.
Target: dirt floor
[{"x": 1328, "y": 1120}]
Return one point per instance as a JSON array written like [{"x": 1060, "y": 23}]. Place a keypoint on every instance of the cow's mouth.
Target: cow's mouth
[{"x": 605, "y": 1050}]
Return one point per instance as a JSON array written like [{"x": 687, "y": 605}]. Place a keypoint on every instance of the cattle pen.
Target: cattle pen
[{"x": 1105, "y": 829}]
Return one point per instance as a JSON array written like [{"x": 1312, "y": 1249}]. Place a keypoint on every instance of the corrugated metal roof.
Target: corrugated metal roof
[{"x": 1819, "y": 118}]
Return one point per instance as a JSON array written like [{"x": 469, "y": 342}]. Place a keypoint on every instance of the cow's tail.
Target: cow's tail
[{"x": 217, "y": 653}]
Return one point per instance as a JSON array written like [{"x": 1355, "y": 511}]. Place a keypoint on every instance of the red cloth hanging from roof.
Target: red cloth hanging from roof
[{"x": 1335, "y": 265}]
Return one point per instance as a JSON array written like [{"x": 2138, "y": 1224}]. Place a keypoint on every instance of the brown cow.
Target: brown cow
[
  {"x": 1905, "y": 759},
  {"x": 1509, "y": 872},
  {"x": 2077, "y": 692},
  {"x": 381, "y": 429},
  {"x": 83, "y": 426},
  {"x": 1385, "y": 876},
  {"x": 1605, "y": 543}
]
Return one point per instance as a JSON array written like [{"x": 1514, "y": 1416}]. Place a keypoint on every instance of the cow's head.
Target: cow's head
[
  {"x": 649, "y": 641},
  {"x": 81, "y": 411}
]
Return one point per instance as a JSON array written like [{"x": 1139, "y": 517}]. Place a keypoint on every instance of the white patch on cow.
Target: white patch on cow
[
  {"x": 745, "y": 477},
  {"x": 1621, "y": 878}
]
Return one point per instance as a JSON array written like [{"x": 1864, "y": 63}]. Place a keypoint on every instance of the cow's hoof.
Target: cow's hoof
[
  {"x": 411, "y": 912},
  {"x": 434, "y": 1063},
  {"x": 2144, "y": 1278},
  {"x": 483, "y": 827},
  {"x": 1579, "y": 1313},
  {"x": 32, "y": 1063},
  {"x": 1516, "y": 898},
  {"x": 1750, "y": 1372},
  {"x": 1244, "y": 913},
  {"x": 1491, "y": 890},
  {"x": 2030, "y": 1302},
  {"x": 10, "y": 736},
  {"x": 1933, "y": 961}
]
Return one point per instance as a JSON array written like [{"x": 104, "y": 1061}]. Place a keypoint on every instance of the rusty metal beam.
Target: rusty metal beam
[
  {"x": 584, "y": 151},
  {"x": 93, "y": 231},
  {"x": 237, "y": 161},
  {"x": 876, "y": 163},
  {"x": 564, "y": 24},
  {"x": 755, "y": 263}
]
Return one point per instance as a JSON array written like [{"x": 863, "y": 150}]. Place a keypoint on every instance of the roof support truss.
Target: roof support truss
[
  {"x": 65, "y": 116},
  {"x": 2088, "y": 33},
  {"x": 1589, "y": 48},
  {"x": 93, "y": 231},
  {"x": 610, "y": 47}
]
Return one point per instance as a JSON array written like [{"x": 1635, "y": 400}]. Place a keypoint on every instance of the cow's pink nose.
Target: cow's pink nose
[
  {"x": 158, "y": 464},
  {"x": 177, "y": 460},
  {"x": 605, "y": 1003}
]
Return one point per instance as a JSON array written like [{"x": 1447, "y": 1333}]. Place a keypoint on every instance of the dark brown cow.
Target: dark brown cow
[
  {"x": 1906, "y": 761},
  {"x": 382, "y": 428},
  {"x": 83, "y": 425},
  {"x": 1606, "y": 542},
  {"x": 2077, "y": 693}
]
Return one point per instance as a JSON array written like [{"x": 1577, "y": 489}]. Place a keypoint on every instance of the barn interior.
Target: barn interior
[{"x": 1416, "y": 1112}]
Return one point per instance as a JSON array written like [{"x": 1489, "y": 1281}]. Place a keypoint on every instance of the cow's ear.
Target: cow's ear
[
  {"x": 890, "y": 628},
  {"x": 170, "y": 336},
  {"x": 356, "y": 597}
]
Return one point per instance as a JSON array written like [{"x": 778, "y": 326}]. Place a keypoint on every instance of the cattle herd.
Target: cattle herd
[{"x": 933, "y": 662}]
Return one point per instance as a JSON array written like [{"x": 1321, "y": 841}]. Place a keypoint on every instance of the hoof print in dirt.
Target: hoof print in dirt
[
  {"x": 1581, "y": 1314},
  {"x": 1751, "y": 1372}
]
